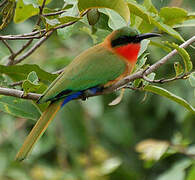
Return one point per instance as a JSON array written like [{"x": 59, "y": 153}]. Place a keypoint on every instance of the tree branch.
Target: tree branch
[
  {"x": 18, "y": 93},
  {"x": 54, "y": 13},
  {"x": 116, "y": 86}
]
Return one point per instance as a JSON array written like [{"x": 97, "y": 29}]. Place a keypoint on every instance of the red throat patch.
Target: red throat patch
[{"x": 129, "y": 51}]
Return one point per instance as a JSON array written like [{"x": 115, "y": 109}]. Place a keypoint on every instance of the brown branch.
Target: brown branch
[
  {"x": 8, "y": 46},
  {"x": 54, "y": 13},
  {"x": 116, "y": 86},
  {"x": 13, "y": 55},
  {"x": 16, "y": 83},
  {"x": 18, "y": 93}
]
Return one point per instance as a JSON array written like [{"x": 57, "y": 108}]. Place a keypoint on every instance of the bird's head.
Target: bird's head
[{"x": 126, "y": 42}]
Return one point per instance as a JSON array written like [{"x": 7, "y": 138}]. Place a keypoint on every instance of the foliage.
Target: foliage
[{"x": 144, "y": 137}]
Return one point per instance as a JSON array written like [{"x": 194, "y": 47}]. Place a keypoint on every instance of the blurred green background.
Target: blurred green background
[{"x": 89, "y": 140}]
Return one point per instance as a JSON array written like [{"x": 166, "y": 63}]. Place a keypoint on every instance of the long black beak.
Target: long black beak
[{"x": 146, "y": 35}]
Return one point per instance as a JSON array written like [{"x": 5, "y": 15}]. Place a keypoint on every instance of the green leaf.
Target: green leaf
[
  {"x": 7, "y": 13},
  {"x": 26, "y": 9},
  {"x": 19, "y": 107},
  {"x": 149, "y": 6},
  {"x": 184, "y": 54},
  {"x": 163, "y": 92},
  {"x": 141, "y": 12},
  {"x": 119, "y": 6},
  {"x": 176, "y": 172},
  {"x": 192, "y": 79},
  {"x": 144, "y": 46},
  {"x": 191, "y": 174},
  {"x": 103, "y": 22},
  {"x": 23, "y": 12},
  {"x": 151, "y": 77},
  {"x": 161, "y": 45},
  {"x": 20, "y": 72},
  {"x": 141, "y": 61},
  {"x": 178, "y": 68},
  {"x": 33, "y": 78},
  {"x": 173, "y": 15},
  {"x": 32, "y": 85},
  {"x": 188, "y": 23},
  {"x": 54, "y": 21},
  {"x": 115, "y": 20}
]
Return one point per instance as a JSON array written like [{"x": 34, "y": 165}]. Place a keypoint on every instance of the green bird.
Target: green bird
[{"x": 95, "y": 69}]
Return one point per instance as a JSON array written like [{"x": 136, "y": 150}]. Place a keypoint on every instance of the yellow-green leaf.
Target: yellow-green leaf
[
  {"x": 191, "y": 174},
  {"x": 120, "y": 6},
  {"x": 20, "y": 72},
  {"x": 173, "y": 15},
  {"x": 178, "y": 68},
  {"x": 149, "y": 18},
  {"x": 184, "y": 54},
  {"x": 149, "y": 6},
  {"x": 165, "y": 93},
  {"x": 23, "y": 11},
  {"x": 19, "y": 107}
]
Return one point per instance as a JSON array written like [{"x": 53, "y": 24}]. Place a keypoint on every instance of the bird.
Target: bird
[{"x": 93, "y": 70}]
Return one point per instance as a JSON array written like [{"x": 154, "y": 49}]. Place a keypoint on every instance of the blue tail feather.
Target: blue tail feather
[
  {"x": 71, "y": 97},
  {"x": 79, "y": 93}
]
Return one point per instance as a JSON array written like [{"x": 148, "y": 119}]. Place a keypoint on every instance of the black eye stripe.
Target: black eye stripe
[{"x": 122, "y": 40}]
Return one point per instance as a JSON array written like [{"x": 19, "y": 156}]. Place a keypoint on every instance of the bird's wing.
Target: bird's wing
[{"x": 95, "y": 66}]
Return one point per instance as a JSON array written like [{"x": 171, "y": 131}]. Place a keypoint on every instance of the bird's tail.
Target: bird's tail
[{"x": 38, "y": 129}]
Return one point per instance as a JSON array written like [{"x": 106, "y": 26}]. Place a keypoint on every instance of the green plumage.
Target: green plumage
[{"x": 94, "y": 67}]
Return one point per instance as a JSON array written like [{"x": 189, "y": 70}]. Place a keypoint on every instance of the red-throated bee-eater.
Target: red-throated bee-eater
[{"x": 96, "y": 68}]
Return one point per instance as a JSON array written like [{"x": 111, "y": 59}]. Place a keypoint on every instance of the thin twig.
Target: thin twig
[
  {"x": 16, "y": 83},
  {"x": 54, "y": 13},
  {"x": 8, "y": 46},
  {"x": 12, "y": 56},
  {"x": 33, "y": 48},
  {"x": 2, "y": 4}
]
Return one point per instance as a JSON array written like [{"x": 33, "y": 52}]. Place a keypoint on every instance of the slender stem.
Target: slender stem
[
  {"x": 54, "y": 13},
  {"x": 8, "y": 46},
  {"x": 33, "y": 48}
]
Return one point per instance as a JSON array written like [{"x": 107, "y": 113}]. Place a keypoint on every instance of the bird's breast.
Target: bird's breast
[{"x": 129, "y": 52}]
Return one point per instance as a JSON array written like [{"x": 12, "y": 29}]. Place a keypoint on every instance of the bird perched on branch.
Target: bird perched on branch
[{"x": 93, "y": 70}]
